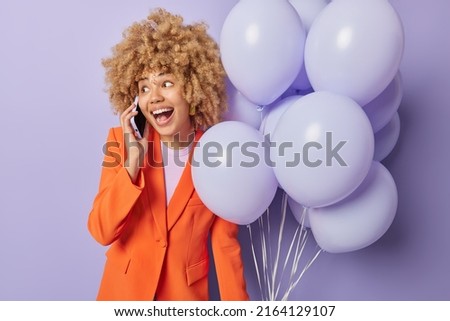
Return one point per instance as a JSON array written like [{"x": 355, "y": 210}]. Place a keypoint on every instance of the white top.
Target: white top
[{"x": 174, "y": 163}]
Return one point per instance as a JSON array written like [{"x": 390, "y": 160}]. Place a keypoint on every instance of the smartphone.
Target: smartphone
[{"x": 138, "y": 122}]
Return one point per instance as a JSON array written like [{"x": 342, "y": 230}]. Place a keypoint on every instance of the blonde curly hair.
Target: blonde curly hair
[{"x": 163, "y": 43}]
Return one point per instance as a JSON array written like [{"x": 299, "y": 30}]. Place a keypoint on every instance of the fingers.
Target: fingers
[
  {"x": 125, "y": 119},
  {"x": 133, "y": 152}
]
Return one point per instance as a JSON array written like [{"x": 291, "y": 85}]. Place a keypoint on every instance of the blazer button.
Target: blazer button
[{"x": 162, "y": 243}]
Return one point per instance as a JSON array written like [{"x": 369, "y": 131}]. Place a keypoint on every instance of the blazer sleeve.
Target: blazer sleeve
[
  {"x": 228, "y": 260},
  {"x": 116, "y": 193}
]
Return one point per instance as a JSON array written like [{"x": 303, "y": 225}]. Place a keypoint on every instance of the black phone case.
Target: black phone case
[{"x": 140, "y": 120}]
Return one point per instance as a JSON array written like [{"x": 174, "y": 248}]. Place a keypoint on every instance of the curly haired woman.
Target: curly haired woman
[{"x": 147, "y": 209}]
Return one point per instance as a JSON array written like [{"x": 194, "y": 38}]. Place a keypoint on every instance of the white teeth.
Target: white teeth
[{"x": 161, "y": 110}]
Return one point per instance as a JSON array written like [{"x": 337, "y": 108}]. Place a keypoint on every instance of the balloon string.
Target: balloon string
[
  {"x": 269, "y": 261},
  {"x": 288, "y": 256},
  {"x": 254, "y": 257},
  {"x": 303, "y": 218},
  {"x": 308, "y": 265},
  {"x": 268, "y": 274},
  {"x": 304, "y": 239},
  {"x": 299, "y": 251},
  {"x": 280, "y": 235},
  {"x": 301, "y": 243},
  {"x": 264, "y": 257}
]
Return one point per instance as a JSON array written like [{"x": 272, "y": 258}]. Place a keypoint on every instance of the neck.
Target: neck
[{"x": 179, "y": 140}]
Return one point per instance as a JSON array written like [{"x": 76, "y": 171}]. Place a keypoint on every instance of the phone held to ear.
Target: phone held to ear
[{"x": 138, "y": 122}]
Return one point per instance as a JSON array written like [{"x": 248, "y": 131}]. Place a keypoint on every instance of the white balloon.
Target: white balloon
[
  {"x": 354, "y": 48},
  {"x": 308, "y": 10},
  {"x": 386, "y": 138},
  {"x": 381, "y": 110},
  {"x": 274, "y": 112},
  {"x": 262, "y": 48},
  {"x": 322, "y": 148},
  {"x": 230, "y": 174},
  {"x": 360, "y": 219},
  {"x": 241, "y": 109},
  {"x": 298, "y": 210}
]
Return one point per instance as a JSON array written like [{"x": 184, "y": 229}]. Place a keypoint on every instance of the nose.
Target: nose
[{"x": 155, "y": 96}]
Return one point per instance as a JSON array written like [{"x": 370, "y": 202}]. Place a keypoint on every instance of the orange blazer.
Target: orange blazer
[{"x": 158, "y": 251}]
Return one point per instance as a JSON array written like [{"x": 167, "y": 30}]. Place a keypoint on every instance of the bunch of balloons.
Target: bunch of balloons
[{"x": 314, "y": 89}]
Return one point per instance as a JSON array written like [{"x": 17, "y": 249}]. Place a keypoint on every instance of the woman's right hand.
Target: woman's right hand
[{"x": 135, "y": 150}]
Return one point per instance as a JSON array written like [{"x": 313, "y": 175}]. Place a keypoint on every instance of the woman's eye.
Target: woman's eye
[
  {"x": 167, "y": 84},
  {"x": 144, "y": 89}
]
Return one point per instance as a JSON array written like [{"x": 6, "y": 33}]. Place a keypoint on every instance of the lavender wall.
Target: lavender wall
[{"x": 55, "y": 116}]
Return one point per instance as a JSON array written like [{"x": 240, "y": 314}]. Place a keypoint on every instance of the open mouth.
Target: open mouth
[{"x": 162, "y": 115}]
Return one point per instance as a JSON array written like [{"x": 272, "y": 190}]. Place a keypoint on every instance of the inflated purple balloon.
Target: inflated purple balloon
[
  {"x": 354, "y": 48},
  {"x": 262, "y": 46}
]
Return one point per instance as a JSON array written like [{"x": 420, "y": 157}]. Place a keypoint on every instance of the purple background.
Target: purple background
[{"x": 54, "y": 120}]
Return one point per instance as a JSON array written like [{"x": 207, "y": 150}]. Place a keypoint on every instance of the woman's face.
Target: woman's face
[{"x": 163, "y": 104}]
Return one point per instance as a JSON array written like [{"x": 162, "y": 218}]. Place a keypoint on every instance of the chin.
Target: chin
[{"x": 165, "y": 131}]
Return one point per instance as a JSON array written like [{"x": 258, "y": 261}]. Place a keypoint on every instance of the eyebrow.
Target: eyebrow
[{"x": 158, "y": 75}]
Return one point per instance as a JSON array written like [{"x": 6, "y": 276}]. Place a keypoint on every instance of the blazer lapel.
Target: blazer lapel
[
  {"x": 183, "y": 191},
  {"x": 154, "y": 179}
]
